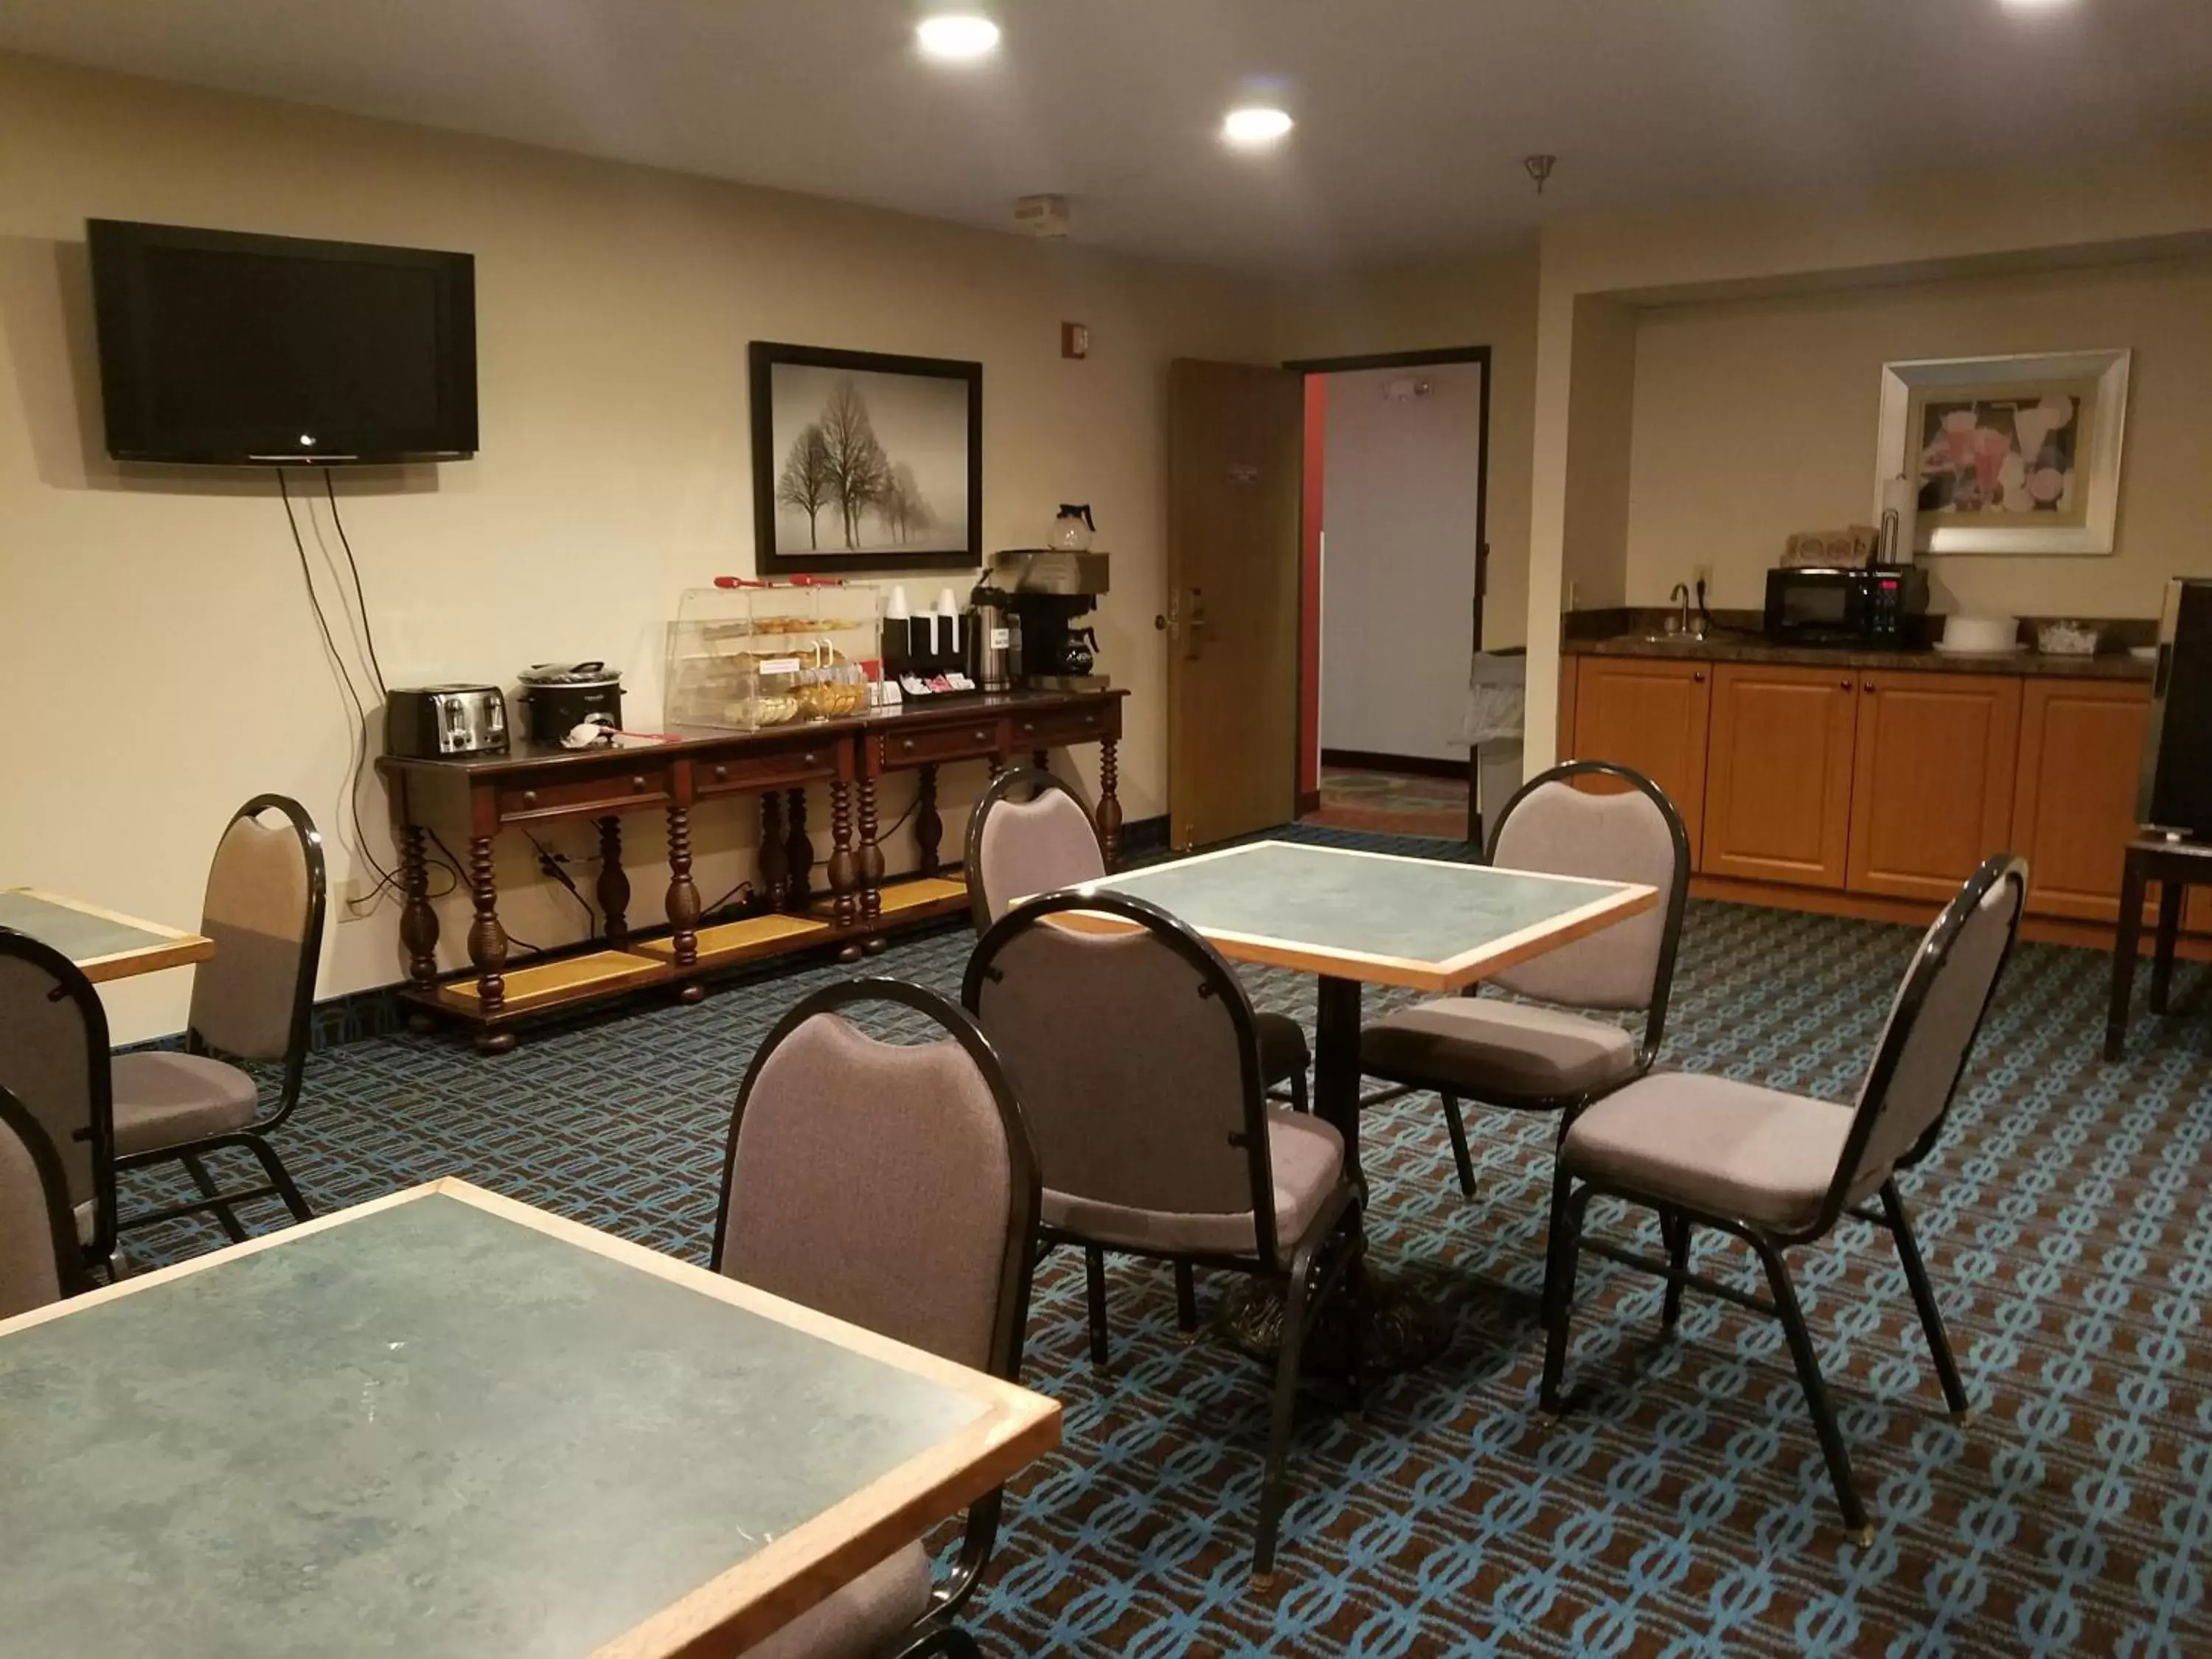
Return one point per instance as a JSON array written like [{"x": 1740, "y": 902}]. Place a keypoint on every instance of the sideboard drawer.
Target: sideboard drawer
[
  {"x": 954, "y": 740},
  {"x": 1055, "y": 728},
  {"x": 615, "y": 790},
  {"x": 796, "y": 762}
]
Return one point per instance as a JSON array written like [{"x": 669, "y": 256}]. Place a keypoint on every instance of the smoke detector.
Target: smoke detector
[{"x": 1042, "y": 216}]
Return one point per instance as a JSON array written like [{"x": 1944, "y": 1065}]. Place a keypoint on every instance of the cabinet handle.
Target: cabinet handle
[
  {"x": 907, "y": 744},
  {"x": 1868, "y": 686},
  {"x": 529, "y": 797},
  {"x": 1028, "y": 726},
  {"x": 637, "y": 784},
  {"x": 1700, "y": 677},
  {"x": 722, "y": 773},
  {"x": 982, "y": 737},
  {"x": 808, "y": 760},
  {"x": 1846, "y": 685}
]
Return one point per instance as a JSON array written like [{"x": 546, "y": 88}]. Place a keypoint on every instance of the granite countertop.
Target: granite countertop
[{"x": 1731, "y": 645}]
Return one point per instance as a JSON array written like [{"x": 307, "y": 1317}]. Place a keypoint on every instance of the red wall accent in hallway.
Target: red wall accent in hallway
[{"x": 1310, "y": 524}]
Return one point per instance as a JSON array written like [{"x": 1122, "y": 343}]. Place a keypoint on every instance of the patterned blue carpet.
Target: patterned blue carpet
[{"x": 1685, "y": 1510}]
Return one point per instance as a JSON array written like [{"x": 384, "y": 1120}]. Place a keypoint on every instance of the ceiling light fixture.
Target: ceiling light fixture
[
  {"x": 2033, "y": 5},
  {"x": 957, "y": 35},
  {"x": 1255, "y": 126}
]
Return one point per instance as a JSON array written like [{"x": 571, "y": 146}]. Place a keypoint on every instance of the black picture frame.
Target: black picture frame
[{"x": 771, "y": 454}]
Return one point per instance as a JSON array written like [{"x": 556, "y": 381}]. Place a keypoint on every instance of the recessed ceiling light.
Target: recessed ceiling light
[
  {"x": 1254, "y": 126},
  {"x": 957, "y": 35},
  {"x": 2033, "y": 5}
]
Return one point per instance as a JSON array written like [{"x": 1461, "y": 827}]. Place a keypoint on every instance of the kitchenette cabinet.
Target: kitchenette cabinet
[
  {"x": 1931, "y": 780},
  {"x": 1779, "y": 774},
  {"x": 1649, "y": 715},
  {"x": 1886, "y": 779}
]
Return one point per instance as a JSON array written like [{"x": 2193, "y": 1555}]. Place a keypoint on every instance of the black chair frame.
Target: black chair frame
[
  {"x": 61, "y": 1222},
  {"x": 1315, "y": 1268},
  {"x": 935, "y": 1633},
  {"x": 1663, "y": 984},
  {"x": 276, "y": 1181},
  {"x": 1571, "y": 1200},
  {"x": 71, "y": 982}
]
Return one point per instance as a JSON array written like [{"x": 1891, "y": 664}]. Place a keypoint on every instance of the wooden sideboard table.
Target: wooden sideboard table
[
  {"x": 2175, "y": 865},
  {"x": 536, "y": 784}
]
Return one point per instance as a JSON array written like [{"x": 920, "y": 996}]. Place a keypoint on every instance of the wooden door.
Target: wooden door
[
  {"x": 1232, "y": 614},
  {"x": 1932, "y": 780},
  {"x": 1779, "y": 774},
  {"x": 2074, "y": 797},
  {"x": 1647, "y": 715}
]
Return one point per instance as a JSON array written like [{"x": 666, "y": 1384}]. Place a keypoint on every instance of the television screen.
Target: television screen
[{"x": 231, "y": 350}]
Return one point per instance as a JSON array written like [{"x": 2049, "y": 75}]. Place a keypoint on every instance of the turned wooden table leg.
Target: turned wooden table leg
[
  {"x": 1109, "y": 800},
  {"x": 844, "y": 870},
  {"x": 798, "y": 853},
  {"x": 775, "y": 872},
  {"x": 613, "y": 884},
  {"x": 488, "y": 946},
  {"x": 418, "y": 922},
  {"x": 683, "y": 900},
  {"x": 871, "y": 870},
  {"x": 928, "y": 828}
]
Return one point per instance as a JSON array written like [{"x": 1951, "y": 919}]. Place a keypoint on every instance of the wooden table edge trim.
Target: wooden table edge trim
[{"x": 182, "y": 947}]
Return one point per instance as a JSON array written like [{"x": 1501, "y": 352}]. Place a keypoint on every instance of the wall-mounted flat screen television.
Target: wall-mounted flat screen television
[{"x": 222, "y": 349}]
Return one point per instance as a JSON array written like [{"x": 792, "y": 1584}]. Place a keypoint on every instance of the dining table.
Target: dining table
[
  {"x": 106, "y": 944},
  {"x": 1354, "y": 918},
  {"x": 444, "y": 1423}
]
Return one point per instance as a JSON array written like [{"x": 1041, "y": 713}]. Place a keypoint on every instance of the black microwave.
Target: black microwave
[{"x": 1879, "y": 605}]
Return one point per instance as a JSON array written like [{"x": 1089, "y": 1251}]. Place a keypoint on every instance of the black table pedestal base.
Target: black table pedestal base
[{"x": 1398, "y": 1331}]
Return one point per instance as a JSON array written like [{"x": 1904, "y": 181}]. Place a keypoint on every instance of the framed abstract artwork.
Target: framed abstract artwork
[
  {"x": 2007, "y": 454},
  {"x": 863, "y": 461}
]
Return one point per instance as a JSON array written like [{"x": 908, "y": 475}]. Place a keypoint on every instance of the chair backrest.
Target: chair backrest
[
  {"x": 1932, "y": 1020},
  {"x": 1029, "y": 834},
  {"x": 40, "y": 1260},
  {"x": 1633, "y": 834},
  {"x": 1134, "y": 1051},
  {"x": 265, "y": 895},
  {"x": 53, "y": 1059},
  {"x": 891, "y": 1185}
]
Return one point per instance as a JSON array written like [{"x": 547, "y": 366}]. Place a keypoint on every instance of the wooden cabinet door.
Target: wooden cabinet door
[
  {"x": 1778, "y": 780},
  {"x": 1932, "y": 781},
  {"x": 2074, "y": 799},
  {"x": 1648, "y": 716}
]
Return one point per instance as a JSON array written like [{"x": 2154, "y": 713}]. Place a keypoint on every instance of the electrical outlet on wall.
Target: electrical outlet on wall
[{"x": 353, "y": 897}]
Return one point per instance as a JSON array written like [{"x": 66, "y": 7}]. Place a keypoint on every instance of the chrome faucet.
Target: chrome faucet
[{"x": 1680, "y": 596}]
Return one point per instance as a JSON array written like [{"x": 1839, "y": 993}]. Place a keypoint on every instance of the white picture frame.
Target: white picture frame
[{"x": 2068, "y": 506}]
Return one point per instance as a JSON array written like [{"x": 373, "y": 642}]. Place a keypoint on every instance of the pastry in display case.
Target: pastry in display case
[{"x": 746, "y": 655}]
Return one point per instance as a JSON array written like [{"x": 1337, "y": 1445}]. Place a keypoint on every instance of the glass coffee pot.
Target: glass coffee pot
[{"x": 1072, "y": 528}]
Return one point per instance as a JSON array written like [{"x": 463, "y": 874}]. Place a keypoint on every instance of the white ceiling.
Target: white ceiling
[{"x": 1413, "y": 114}]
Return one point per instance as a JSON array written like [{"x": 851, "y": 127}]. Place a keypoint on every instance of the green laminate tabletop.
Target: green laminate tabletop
[
  {"x": 447, "y": 1424},
  {"x": 1425, "y": 923},
  {"x": 104, "y": 943}
]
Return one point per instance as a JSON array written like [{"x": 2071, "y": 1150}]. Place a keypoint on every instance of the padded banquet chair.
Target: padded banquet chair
[
  {"x": 40, "y": 1259},
  {"x": 1136, "y": 1056},
  {"x": 53, "y": 1059},
  {"x": 1554, "y": 1058},
  {"x": 1029, "y": 835},
  {"x": 893, "y": 1186},
  {"x": 1780, "y": 1171},
  {"x": 254, "y": 999}
]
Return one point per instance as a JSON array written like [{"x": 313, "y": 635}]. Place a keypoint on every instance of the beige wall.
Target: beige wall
[
  {"x": 1487, "y": 298},
  {"x": 1601, "y": 407},
  {"x": 156, "y": 655},
  {"x": 1754, "y": 418}
]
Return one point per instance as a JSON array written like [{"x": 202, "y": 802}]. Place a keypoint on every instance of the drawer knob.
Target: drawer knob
[
  {"x": 1846, "y": 685},
  {"x": 529, "y": 797},
  {"x": 637, "y": 783},
  {"x": 1699, "y": 676},
  {"x": 809, "y": 760},
  {"x": 1869, "y": 687},
  {"x": 906, "y": 743},
  {"x": 982, "y": 737},
  {"x": 1029, "y": 725},
  {"x": 722, "y": 773}
]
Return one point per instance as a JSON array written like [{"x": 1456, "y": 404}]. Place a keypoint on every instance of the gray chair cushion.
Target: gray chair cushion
[
  {"x": 1306, "y": 1156},
  {"x": 1282, "y": 1047},
  {"x": 1488, "y": 1048},
  {"x": 863, "y": 1620},
  {"x": 166, "y": 1099},
  {"x": 1724, "y": 1147}
]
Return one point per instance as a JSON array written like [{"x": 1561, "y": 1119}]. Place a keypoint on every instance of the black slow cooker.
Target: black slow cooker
[{"x": 559, "y": 696}]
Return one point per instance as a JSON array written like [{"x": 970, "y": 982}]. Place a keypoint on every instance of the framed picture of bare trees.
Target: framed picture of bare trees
[{"x": 865, "y": 461}]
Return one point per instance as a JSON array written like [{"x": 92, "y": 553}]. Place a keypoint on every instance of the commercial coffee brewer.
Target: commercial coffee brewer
[{"x": 1043, "y": 594}]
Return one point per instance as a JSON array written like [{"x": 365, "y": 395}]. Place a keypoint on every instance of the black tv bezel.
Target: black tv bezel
[{"x": 121, "y": 318}]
